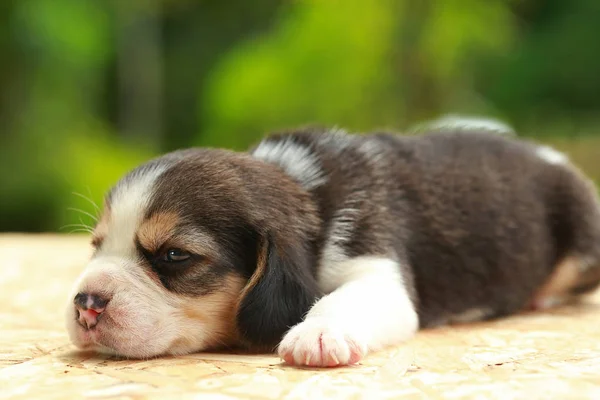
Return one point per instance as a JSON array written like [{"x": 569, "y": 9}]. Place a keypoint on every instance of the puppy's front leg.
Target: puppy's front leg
[{"x": 370, "y": 309}]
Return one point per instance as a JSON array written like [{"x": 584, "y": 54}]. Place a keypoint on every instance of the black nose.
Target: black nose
[{"x": 85, "y": 301}]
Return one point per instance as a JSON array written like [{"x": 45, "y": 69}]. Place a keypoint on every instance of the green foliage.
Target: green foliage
[
  {"x": 319, "y": 64},
  {"x": 327, "y": 64},
  {"x": 550, "y": 77},
  {"x": 79, "y": 77},
  {"x": 75, "y": 32},
  {"x": 38, "y": 194}
]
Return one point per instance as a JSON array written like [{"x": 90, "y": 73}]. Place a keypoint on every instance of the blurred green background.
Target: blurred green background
[{"x": 91, "y": 88}]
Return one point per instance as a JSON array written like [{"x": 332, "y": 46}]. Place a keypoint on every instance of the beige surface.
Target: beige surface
[{"x": 551, "y": 355}]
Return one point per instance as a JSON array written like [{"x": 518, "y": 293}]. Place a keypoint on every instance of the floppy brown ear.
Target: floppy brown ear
[{"x": 278, "y": 294}]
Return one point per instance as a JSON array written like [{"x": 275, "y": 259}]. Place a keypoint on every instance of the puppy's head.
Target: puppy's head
[{"x": 196, "y": 250}]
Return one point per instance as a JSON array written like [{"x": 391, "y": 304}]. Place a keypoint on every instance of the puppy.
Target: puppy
[{"x": 327, "y": 246}]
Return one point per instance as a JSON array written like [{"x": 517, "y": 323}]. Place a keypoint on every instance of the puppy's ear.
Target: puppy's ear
[{"x": 278, "y": 294}]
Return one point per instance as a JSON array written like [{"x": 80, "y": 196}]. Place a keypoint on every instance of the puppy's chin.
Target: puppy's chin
[
  {"x": 143, "y": 336},
  {"x": 138, "y": 338},
  {"x": 121, "y": 344}
]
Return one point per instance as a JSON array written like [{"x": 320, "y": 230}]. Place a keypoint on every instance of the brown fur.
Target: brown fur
[
  {"x": 217, "y": 311},
  {"x": 157, "y": 230},
  {"x": 563, "y": 278},
  {"x": 261, "y": 266}
]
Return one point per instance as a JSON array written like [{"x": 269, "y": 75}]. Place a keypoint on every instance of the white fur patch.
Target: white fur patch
[
  {"x": 129, "y": 290},
  {"x": 341, "y": 229},
  {"x": 135, "y": 301},
  {"x": 340, "y": 232},
  {"x": 373, "y": 150},
  {"x": 551, "y": 156},
  {"x": 128, "y": 204},
  {"x": 296, "y": 160},
  {"x": 336, "y": 140},
  {"x": 142, "y": 318},
  {"x": 468, "y": 123},
  {"x": 369, "y": 309}
]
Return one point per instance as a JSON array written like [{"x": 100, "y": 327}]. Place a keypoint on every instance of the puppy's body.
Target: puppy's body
[
  {"x": 354, "y": 241},
  {"x": 492, "y": 216}
]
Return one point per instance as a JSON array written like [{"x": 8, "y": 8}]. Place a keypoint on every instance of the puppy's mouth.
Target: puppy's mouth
[
  {"x": 104, "y": 332},
  {"x": 91, "y": 329}
]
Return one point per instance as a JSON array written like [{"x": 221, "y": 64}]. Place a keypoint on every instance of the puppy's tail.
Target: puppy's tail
[{"x": 452, "y": 122}]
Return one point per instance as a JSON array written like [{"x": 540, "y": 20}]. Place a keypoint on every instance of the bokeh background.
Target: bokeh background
[{"x": 91, "y": 88}]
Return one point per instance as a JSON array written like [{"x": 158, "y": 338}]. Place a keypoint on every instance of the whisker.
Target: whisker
[
  {"x": 83, "y": 223},
  {"x": 84, "y": 213},
  {"x": 89, "y": 191},
  {"x": 91, "y": 197},
  {"x": 83, "y": 226},
  {"x": 89, "y": 200},
  {"x": 80, "y": 230}
]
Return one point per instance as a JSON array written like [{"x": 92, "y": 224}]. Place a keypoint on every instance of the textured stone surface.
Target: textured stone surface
[{"x": 543, "y": 355}]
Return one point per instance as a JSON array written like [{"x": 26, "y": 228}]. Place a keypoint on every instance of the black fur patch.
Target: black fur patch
[{"x": 281, "y": 297}]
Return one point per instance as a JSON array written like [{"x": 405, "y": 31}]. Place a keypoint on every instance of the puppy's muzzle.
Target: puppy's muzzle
[{"x": 89, "y": 309}]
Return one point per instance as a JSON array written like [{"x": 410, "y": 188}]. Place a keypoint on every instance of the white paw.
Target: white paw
[{"x": 319, "y": 342}]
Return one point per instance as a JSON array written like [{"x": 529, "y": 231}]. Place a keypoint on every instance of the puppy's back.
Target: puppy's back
[
  {"x": 492, "y": 218},
  {"x": 484, "y": 224}
]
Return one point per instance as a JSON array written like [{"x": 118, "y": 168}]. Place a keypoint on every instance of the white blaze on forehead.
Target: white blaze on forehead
[
  {"x": 129, "y": 203},
  {"x": 550, "y": 155},
  {"x": 296, "y": 160}
]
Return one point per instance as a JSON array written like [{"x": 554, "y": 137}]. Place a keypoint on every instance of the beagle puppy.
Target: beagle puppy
[{"x": 326, "y": 246}]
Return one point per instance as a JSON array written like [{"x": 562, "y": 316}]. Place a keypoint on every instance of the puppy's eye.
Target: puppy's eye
[{"x": 176, "y": 255}]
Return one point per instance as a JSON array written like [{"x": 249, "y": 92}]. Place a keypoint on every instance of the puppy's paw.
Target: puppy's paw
[{"x": 319, "y": 342}]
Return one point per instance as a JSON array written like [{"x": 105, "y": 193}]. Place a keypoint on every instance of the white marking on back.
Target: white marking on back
[
  {"x": 128, "y": 205},
  {"x": 468, "y": 123},
  {"x": 339, "y": 233},
  {"x": 341, "y": 229},
  {"x": 336, "y": 140},
  {"x": 551, "y": 156},
  {"x": 297, "y": 161},
  {"x": 373, "y": 150}
]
